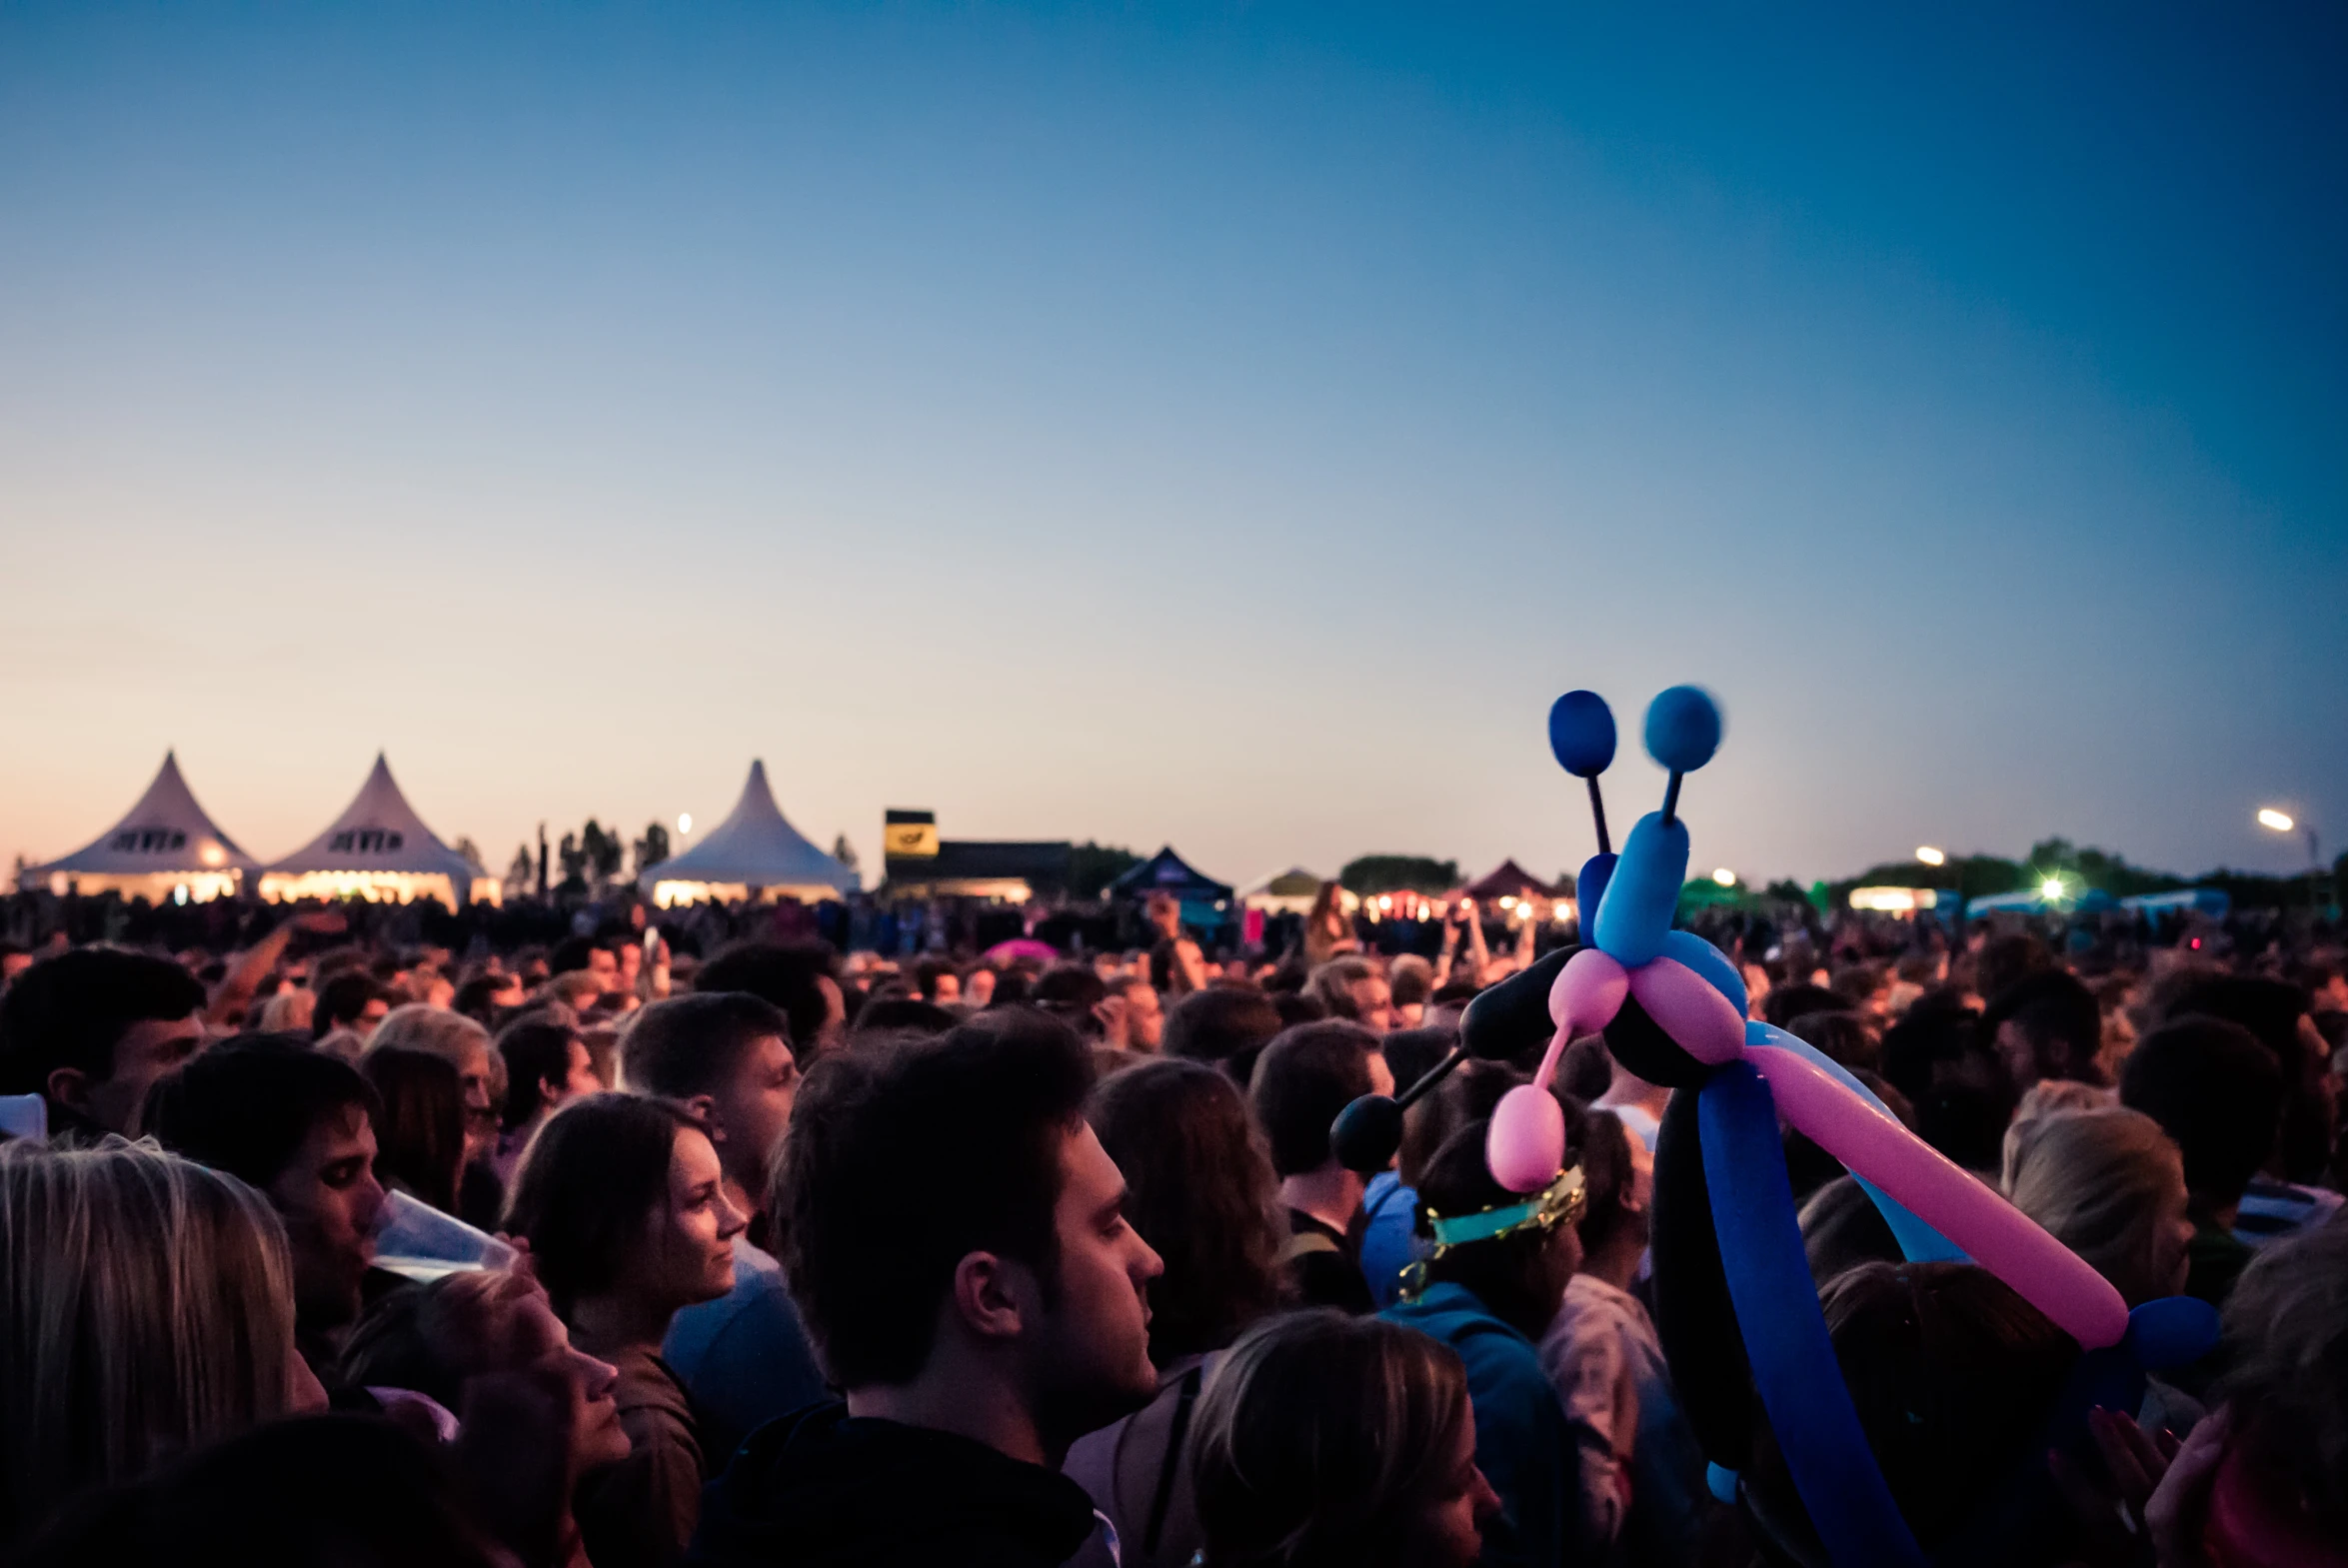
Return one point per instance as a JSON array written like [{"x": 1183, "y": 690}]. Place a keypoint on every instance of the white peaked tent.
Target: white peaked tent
[
  {"x": 752, "y": 852},
  {"x": 378, "y": 850},
  {"x": 163, "y": 846}
]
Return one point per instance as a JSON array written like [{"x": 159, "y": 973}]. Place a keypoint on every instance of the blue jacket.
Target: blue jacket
[{"x": 1523, "y": 1445}]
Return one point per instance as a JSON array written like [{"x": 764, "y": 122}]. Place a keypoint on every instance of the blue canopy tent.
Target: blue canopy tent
[
  {"x": 1206, "y": 903},
  {"x": 2212, "y": 901}
]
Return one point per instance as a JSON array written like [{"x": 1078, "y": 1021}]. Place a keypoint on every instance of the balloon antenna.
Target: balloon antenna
[
  {"x": 1682, "y": 732},
  {"x": 1582, "y": 737}
]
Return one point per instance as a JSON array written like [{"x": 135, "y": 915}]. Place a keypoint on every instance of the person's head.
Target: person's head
[
  {"x": 1304, "y": 1079},
  {"x": 1617, "y": 1178},
  {"x": 481, "y": 1076},
  {"x": 938, "y": 982},
  {"x": 586, "y": 956},
  {"x": 146, "y": 1309},
  {"x": 2218, "y": 1092},
  {"x": 2046, "y": 1025},
  {"x": 546, "y": 1065},
  {"x": 726, "y": 1058},
  {"x": 1329, "y": 1441},
  {"x": 1469, "y": 1094},
  {"x": 1144, "y": 1015},
  {"x": 1200, "y": 1191},
  {"x": 1351, "y": 988},
  {"x": 2286, "y": 1332},
  {"x": 1412, "y": 983},
  {"x": 1843, "y": 1035},
  {"x": 298, "y": 1126},
  {"x": 1520, "y": 1275},
  {"x": 621, "y": 1197},
  {"x": 577, "y": 991},
  {"x": 796, "y": 978},
  {"x": 349, "y": 1001},
  {"x": 2110, "y": 1185},
  {"x": 897, "y": 1017},
  {"x": 483, "y": 998},
  {"x": 91, "y": 1028},
  {"x": 2004, "y": 962},
  {"x": 943, "y": 1212},
  {"x": 1842, "y": 1228},
  {"x": 433, "y": 1337},
  {"x": 1952, "y": 1375},
  {"x": 1225, "y": 1024},
  {"x": 1784, "y": 1004},
  {"x": 2270, "y": 1010},
  {"x": 419, "y": 1123},
  {"x": 290, "y": 1012}
]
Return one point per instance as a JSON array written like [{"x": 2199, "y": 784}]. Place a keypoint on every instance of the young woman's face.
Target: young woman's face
[
  {"x": 691, "y": 1256},
  {"x": 1447, "y": 1531},
  {"x": 2166, "y": 1268}
]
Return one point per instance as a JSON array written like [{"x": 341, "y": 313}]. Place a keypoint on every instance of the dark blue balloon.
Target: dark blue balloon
[
  {"x": 1581, "y": 734},
  {"x": 1683, "y": 729},
  {"x": 1589, "y": 889}
]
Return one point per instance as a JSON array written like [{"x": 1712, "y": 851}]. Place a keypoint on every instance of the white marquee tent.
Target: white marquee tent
[
  {"x": 163, "y": 846},
  {"x": 754, "y": 852},
  {"x": 378, "y": 850}
]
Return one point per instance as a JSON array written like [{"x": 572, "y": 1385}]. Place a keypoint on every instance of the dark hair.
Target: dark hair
[
  {"x": 2004, "y": 960},
  {"x": 904, "y": 1015},
  {"x": 1469, "y": 1094},
  {"x": 1332, "y": 984},
  {"x": 1410, "y": 1053},
  {"x": 2216, "y": 1091},
  {"x": 431, "y": 1337},
  {"x": 1320, "y": 1440},
  {"x": 1510, "y": 1275},
  {"x": 927, "y": 974},
  {"x": 1841, "y": 1034},
  {"x": 245, "y": 1105},
  {"x": 1223, "y": 1023},
  {"x": 474, "y": 998},
  {"x": 690, "y": 1046},
  {"x": 593, "y": 1175},
  {"x": 783, "y": 975},
  {"x": 317, "y": 1491},
  {"x": 1842, "y": 1228},
  {"x": 1784, "y": 1004},
  {"x": 2057, "y": 1014},
  {"x": 418, "y": 1122},
  {"x": 904, "y": 1159},
  {"x": 572, "y": 953},
  {"x": 1952, "y": 1374},
  {"x": 1071, "y": 993},
  {"x": 1607, "y": 1176},
  {"x": 71, "y": 1010},
  {"x": 342, "y": 999},
  {"x": 1302, "y": 1080},
  {"x": 1200, "y": 1190},
  {"x": 534, "y": 1051}
]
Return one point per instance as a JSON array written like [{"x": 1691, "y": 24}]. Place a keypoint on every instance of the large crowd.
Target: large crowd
[{"x": 754, "y": 1252}]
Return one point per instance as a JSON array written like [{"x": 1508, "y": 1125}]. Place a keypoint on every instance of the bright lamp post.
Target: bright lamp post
[{"x": 2281, "y": 822}]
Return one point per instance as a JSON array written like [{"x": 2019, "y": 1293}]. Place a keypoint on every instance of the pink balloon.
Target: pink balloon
[
  {"x": 1690, "y": 1009},
  {"x": 1586, "y": 993},
  {"x": 1995, "y": 1234},
  {"x": 1524, "y": 1147}
]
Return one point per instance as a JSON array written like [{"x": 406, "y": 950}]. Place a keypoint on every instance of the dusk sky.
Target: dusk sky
[{"x": 1226, "y": 425}]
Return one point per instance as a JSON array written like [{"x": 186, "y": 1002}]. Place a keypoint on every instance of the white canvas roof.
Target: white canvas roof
[
  {"x": 378, "y": 831},
  {"x": 754, "y": 847},
  {"x": 165, "y": 833}
]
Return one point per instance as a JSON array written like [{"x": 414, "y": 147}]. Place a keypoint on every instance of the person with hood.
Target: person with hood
[
  {"x": 955, "y": 1236},
  {"x": 1497, "y": 1275}
]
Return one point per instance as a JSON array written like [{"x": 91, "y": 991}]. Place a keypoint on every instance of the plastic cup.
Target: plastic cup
[
  {"x": 416, "y": 1241},
  {"x": 24, "y": 1117}
]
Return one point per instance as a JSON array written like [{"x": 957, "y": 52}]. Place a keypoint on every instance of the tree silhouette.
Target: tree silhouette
[{"x": 651, "y": 849}]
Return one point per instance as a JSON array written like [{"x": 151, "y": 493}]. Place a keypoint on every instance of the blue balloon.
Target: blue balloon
[
  {"x": 1795, "y": 1369},
  {"x": 1644, "y": 893},
  {"x": 1709, "y": 961},
  {"x": 1590, "y": 891},
  {"x": 1918, "y": 1242},
  {"x": 2172, "y": 1331},
  {"x": 1581, "y": 734},
  {"x": 1683, "y": 729}
]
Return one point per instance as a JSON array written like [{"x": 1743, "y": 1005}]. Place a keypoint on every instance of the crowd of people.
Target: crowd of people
[{"x": 806, "y": 1257}]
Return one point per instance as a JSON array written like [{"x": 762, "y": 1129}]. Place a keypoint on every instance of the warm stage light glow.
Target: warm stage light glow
[
  {"x": 1931, "y": 855},
  {"x": 683, "y": 824},
  {"x": 1724, "y": 876},
  {"x": 2052, "y": 888},
  {"x": 2280, "y": 821}
]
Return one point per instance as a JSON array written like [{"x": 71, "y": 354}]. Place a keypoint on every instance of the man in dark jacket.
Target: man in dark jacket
[{"x": 954, "y": 1235}]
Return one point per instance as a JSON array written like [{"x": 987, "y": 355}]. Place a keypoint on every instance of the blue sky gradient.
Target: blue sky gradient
[{"x": 1224, "y": 425}]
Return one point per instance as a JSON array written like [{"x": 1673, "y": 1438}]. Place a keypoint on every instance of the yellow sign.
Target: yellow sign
[{"x": 909, "y": 841}]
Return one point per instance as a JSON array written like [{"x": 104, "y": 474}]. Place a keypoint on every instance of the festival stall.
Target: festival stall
[
  {"x": 1206, "y": 903},
  {"x": 754, "y": 853},
  {"x": 165, "y": 847},
  {"x": 1293, "y": 891},
  {"x": 378, "y": 850}
]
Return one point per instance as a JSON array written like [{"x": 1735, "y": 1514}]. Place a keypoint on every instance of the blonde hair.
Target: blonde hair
[
  {"x": 443, "y": 1033},
  {"x": 2048, "y": 1097},
  {"x": 146, "y": 1309},
  {"x": 2096, "y": 1180},
  {"x": 289, "y": 1013}
]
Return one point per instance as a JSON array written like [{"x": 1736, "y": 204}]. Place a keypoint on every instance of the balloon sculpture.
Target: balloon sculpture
[{"x": 1736, "y": 1308}]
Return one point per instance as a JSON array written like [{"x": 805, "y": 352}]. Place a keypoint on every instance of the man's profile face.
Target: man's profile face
[
  {"x": 1092, "y": 1356},
  {"x": 1374, "y": 999},
  {"x": 1144, "y": 1017},
  {"x": 753, "y": 1111},
  {"x": 604, "y": 967},
  {"x": 145, "y": 1052},
  {"x": 331, "y": 1203}
]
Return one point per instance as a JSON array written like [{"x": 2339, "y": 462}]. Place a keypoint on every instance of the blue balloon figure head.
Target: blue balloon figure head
[
  {"x": 1682, "y": 732},
  {"x": 1582, "y": 737}
]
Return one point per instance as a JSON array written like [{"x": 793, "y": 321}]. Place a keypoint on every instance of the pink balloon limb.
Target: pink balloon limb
[
  {"x": 1687, "y": 1007},
  {"x": 1995, "y": 1234},
  {"x": 1524, "y": 1147}
]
